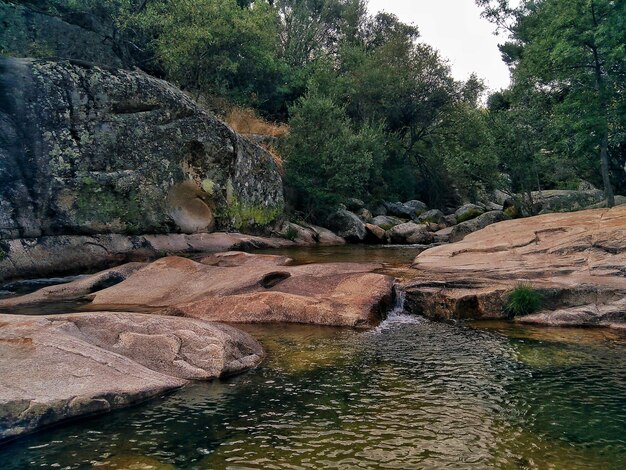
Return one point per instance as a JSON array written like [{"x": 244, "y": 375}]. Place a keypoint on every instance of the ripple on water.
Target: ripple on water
[{"x": 411, "y": 394}]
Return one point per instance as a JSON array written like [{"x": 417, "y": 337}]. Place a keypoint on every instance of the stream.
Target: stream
[{"x": 411, "y": 393}]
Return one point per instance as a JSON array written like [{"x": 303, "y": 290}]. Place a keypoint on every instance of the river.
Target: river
[{"x": 409, "y": 394}]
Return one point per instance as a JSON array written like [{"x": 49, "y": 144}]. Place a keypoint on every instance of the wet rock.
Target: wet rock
[
  {"x": 347, "y": 225},
  {"x": 410, "y": 233},
  {"x": 61, "y": 367}
]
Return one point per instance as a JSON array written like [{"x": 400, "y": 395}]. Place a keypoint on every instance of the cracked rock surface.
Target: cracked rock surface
[
  {"x": 576, "y": 260},
  {"x": 60, "y": 367}
]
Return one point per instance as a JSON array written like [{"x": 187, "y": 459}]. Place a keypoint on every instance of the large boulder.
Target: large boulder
[
  {"x": 408, "y": 210},
  {"x": 92, "y": 150},
  {"x": 459, "y": 231},
  {"x": 347, "y": 225},
  {"x": 566, "y": 201},
  {"x": 410, "y": 233},
  {"x": 468, "y": 212},
  {"x": 61, "y": 367},
  {"x": 28, "y": 32}
]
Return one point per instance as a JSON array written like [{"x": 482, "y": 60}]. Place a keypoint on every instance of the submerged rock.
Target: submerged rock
[
  {"x": 86, "y": 149},
  {"x": 61, "y": 367}
]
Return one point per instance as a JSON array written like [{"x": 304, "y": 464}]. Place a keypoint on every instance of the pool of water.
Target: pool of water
[
  {"x": 388, "y": 255},
  {"x": 409, "y": 394}
]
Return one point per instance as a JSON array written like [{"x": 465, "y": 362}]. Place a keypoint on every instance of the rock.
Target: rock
[
  {"x": 298, "y": 234},
  {"x": 459, "y": 231},
  {"x": 611, "y": 315},
  {"x": 566, "y": 201},
  {"x": 75, "y": 289},
  {"x": 443, "y": 235},
  {"x": 61, "y": 367},
  {"x": 619, "y": 200},
  {"x": 326, "y": 237},
  {"x": 410, "y": 233},
  {"x": 576, "y": 260},
  {"x": 379, "y": 210},
  {"x": 468, "y": 212},
  {"x": 586, "y": 186},
  {"x": 354, "y": 204},
  {"x": 70, "y": 254},
  {"x": 365, "y": 215},
  {"x": 386, "y": 221},
  {"x": 409, "y": 210},
  {"x": 113, "y": 151},
  {"x": 341, "y": 294},
  {"x": 232, "y": 259},
  {"x": 375, "y": 234},
  {"x": 347, "y": 225},
  {"x": 27, "y": 32},
  {"x": 434, "y": 216},
  {"x": 449, "y": 220}
]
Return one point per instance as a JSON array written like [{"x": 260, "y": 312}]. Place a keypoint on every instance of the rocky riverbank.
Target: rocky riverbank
[
  {"x": 110, "y": 355},
  {"x": 576, "y": 261}
]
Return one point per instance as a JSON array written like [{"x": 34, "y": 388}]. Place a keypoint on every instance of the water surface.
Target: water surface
[{"x": 410, "y": 394}]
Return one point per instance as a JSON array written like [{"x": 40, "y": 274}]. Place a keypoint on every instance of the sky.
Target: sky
[{"x": 455, "y": 28}]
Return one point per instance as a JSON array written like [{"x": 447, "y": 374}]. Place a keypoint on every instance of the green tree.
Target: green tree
[
  {"x": 216, "y": 46},
  {"x": 573, "y": 50},
  {"x": 328, "y": 157}
]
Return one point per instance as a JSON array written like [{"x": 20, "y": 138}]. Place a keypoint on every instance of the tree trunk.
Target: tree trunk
[{"x": 604, "y": 161}]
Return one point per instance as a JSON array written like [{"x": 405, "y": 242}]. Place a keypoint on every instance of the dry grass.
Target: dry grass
[
  {"x": 245, "y": 121},
  {"x": 278, "y": 159}
]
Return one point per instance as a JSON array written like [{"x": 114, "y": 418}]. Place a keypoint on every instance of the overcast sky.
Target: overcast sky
[{"x": 457, "y": 30}]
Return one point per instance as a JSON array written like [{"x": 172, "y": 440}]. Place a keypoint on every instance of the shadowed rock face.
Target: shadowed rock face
[
  {"x": 91, "y": 150},
  {"x": 577, "y": 260},
  {"x": 61, "y": 367}
]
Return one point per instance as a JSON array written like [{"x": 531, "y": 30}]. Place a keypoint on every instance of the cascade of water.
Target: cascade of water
[{"x": 398, "y": 313}]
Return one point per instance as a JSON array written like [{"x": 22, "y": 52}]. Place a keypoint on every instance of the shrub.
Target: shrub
[{"x": 523, "y": 300}]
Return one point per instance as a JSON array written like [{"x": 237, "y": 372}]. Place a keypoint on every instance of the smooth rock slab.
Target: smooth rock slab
[
  {"x": 61, "y": 367},
  {"x": 339, "y": 294},
  {"x": 576, "y": 260}
]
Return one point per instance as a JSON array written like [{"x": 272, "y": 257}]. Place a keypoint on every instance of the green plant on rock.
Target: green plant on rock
[
  {"x": 291, "y": 234},
  {"x": 524, "y": 299}
]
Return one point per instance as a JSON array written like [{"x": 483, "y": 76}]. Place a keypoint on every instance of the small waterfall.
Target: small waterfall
[
  {"x": 398, "y": 314},
  {"x": 398, "y": 307}
]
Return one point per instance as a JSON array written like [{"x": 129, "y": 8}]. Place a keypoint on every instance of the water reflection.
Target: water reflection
[{"x": 411, "y": 394}]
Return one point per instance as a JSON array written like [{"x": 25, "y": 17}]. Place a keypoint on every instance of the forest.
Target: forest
[{"x": 366, "y": 110}]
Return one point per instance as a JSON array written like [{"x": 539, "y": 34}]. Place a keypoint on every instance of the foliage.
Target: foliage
[
  {"x": 523, "y": 300},
  {"x": 215, "y": 46},
  {"x": 569, "y": 66},
  {"x": 329, "y": 158}
]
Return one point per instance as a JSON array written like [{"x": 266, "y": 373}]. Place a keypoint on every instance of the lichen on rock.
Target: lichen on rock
[{"x": 88, "y": 149}]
